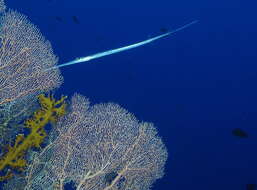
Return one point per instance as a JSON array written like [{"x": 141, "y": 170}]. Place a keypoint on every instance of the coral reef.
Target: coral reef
[
  {"x": 12, "y": 116},
  {"x": 102, "y": 147},
  {"x": 24, "y": 57},
  {"x": 50, "y": 111},
  {"x": 2, "y": 6}
]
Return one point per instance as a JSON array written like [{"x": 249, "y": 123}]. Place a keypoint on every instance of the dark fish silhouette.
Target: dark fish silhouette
[
  {"x": 164, "y": 30},
  {"x": 239, "y": 133},
  {"x": 251, "y": 187},
  {"x": 75, "y": 19},
  {"x": 58, "y": 18}
]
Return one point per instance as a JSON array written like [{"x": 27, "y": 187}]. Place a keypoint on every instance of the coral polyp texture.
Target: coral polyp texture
[
  {"x": 24, "y": 57},
  {"x": 102, "y": 147}
]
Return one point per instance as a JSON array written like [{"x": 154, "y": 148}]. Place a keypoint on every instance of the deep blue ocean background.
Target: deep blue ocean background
[{"x": 196, "y": 86}]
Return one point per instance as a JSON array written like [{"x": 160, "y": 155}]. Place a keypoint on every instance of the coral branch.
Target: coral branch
[
  {"x": 50, "y": 111},
  {"x": 100, "y": 147}
]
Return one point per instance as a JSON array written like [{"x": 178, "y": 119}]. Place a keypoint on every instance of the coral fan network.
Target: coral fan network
[{"x": 47, "y": 143}]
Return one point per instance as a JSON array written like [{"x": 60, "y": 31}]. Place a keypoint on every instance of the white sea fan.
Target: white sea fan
[
  {"x": 102, "y": 147},
  {"x": 24, "y": 57}
]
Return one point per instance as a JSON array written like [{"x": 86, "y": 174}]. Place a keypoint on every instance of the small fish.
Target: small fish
[
  {"x": 239, "y": 133},
  {"x": 58, "y": 18},
  {"x": 75, "y": 19},
  {"x": 164, "y": 30},
  {"x": 251, "y": 187}
]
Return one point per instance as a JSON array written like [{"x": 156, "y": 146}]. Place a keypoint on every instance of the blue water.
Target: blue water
[{"x": 196, "y": 86}]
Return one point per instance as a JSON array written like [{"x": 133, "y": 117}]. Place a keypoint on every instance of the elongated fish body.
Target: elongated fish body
[{"x": 124, "y": 48}]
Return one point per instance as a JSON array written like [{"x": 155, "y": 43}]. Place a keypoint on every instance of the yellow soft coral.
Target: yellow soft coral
[{"x": 49, "y": 111}]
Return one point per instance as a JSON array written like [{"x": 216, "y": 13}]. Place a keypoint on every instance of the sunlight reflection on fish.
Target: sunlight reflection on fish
[{"x": 125, "y": 48}]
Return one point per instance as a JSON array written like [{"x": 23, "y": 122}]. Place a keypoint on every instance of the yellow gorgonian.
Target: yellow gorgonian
[{"x": 50, "y": 110}]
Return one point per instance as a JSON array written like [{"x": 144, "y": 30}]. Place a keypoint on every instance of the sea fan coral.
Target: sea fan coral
[
  {"x": 99, "y": 148},
  {"x": 50, "y": 111},
  {"x": 2, "y": 6},
  {"x": 12, "y": 116},
  {"x": 24, "y": 56}
]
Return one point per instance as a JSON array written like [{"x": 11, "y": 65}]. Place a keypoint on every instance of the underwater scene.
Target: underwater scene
[{"x": 128, "y": 95}]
